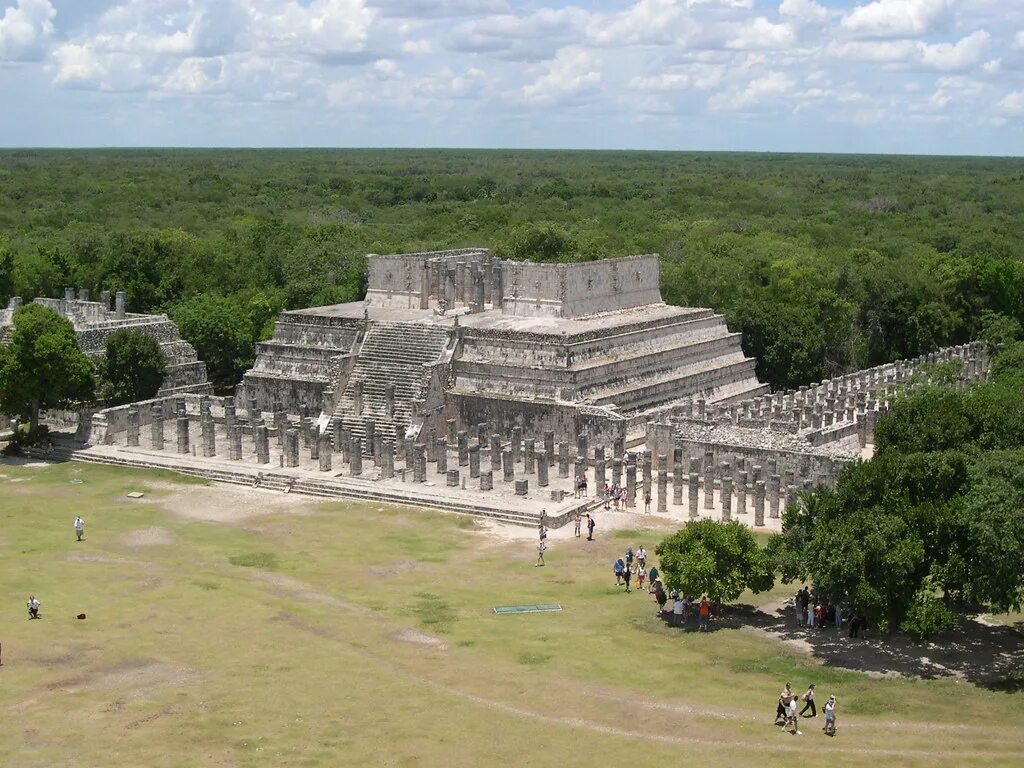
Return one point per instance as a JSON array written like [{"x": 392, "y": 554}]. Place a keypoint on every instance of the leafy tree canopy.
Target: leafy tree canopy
[
  {"x": 133, "y": 367},
  {"x": 42, "y": 367},
  {"x": 720, "y": 560},
  {"x": 222, "y": 333}
]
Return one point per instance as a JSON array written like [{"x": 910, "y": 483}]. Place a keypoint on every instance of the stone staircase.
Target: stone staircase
[
  {"x": 310, "y": 486},
  {"x": 396, "y": 354}
]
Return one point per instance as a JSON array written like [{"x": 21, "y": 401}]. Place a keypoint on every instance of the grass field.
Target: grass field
[{"x": 243, "y": 628}]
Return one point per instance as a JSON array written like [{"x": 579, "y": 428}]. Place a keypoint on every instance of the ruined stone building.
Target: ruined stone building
[
  {"x": 462, "y": 337},
  {"x": 94, "y": 321}
]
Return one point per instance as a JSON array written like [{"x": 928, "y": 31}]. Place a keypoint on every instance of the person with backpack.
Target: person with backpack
[
  {"x": 617, "y": 568},
  {"x": 809, "y": 702},
  {"x": 660, "y": 597},
  {"x": 590, "y": 527},
  {"x": 627, "y": 575}
]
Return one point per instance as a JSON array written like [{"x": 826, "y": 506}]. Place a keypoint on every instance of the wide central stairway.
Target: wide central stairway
[{"x": 391, "y": 371}]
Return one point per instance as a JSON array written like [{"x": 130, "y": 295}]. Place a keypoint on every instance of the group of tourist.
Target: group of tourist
[
  {"x": 632, "y": 564},
  {"x": 817, "y": 611},
  {"x": 581, "y": 485},
  {"x": 787, "y": 716}
]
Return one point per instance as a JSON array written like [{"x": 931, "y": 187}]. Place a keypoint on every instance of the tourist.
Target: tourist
[
  {"x": 583, "y": 485},
  {"x": 641, "y": 573},
  {"x": 590, "y": 527},
  {"x": 660, "y": 596},
  {"x": 791, "y": 717},
  {"x": 647, "y": 502},
  {"x": 627, "y": 575},
  {"x": 677, "y": 610},
  {"x": 703, "y": 615},
  {"x": 33, "y": 607},
  {"x": 810, "y": 614},
  {"x": 542, "y": 532},
  {"x": 629, "y": 557},
  {"x": 653, "y": 576},
  {"x": 579, "y": 522},
  {"x": 258, "y": 481},
  {"x": 641, "y": 556},
  {"x": 541, "y": 546},
  {"x": 839, "y": 616},
  {"x": 617, "y": 568},
  {"x": 830, "y": 716},
  {"x": 79, "y": 527},
  {"x": 607, "y": 493},
  {"x": 783, "y": 706},
  {"x": 544, "y": 517},
  {"x": 801, "y": 607},
  {"x": 809, "y": 702}
]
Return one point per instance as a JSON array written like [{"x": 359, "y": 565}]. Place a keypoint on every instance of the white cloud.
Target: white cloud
[
  {"x": 657, "y": 22},
  {"x": 761, "y": 34},
  {"x": 1012, "y": 104},
  {"x": 439, "y": 9},
  {"x": 966, "y": 53},
  {"x": 571, "y": 73},
  {"x": 802, "y": 13},
  {"x": 537, "y": 35},
  {"x": 898, "y": 18},
  {"x": 757, "y": 92},
  {"x": 25, "y": 29},
  {"x": 1018, "y": 41}
]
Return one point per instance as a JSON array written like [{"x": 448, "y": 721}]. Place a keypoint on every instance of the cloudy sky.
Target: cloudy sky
[{"x": 918, "y": 76}]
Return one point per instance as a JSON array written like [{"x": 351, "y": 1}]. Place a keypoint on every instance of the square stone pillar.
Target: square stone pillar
[
  {"x": 133, "y": 427},
  {"x": 647, "y": 473},
  {"x": 694, "y": 490},
  {"x": 508, "y": 470},
  {"x": 549, "y": 444},
  {"x": 262, "y": 439},
  {"x": 631, "y": 485},
  {"x": 759, "y": 503},
  {"x": 324, "y": 452},
  {"x": 662, "y": 486},
  {"x": 542, "y": 469},
  {"x": 452, "y": 477},
  {"x": 773, "y": 496},
  {"x": 235, "y": 442},
  {"x": 563, "y": 459},
  {"x": 517, "y": 444},
  {"x": 617, "y": 472},
  {"x": 419, "y": 463},
  {"x": 741, "y": 493},
  {"x": 442, "y": 457},
  {"x": 156, "y": 427},
  {"x": 582, "y": 449},
  {"x": 529, "y": 455},
  {"x": 474, "y": 460},
  {"x": 183, "y": 436},
  {"x": 522, "y": 487},
  {"x": 726, "y": 473},
  {"x": 486, "y": 481},
  {"x": 462, "y": 438},
  {"x": 314, "y": 447},
  {"x": 709, "y": 486},
  {"x": 677, "y": 476},
  {"x": 356, "y": 457},
  {"x": 291, "y": 447}
]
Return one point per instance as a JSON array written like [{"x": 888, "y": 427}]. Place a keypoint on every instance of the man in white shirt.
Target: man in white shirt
[
  {"x": 79, "y": 528},
  {"x": 33, "y": 607},
  {"x": 792, "y": 717}
]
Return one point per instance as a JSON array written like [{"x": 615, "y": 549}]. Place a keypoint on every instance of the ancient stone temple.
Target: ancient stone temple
[
  {"x": 459, "y": 339},
  {"x": 94, "y": 321}
]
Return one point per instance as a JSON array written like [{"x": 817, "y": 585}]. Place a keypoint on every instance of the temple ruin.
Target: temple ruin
[{"x": 473, "y": 384}]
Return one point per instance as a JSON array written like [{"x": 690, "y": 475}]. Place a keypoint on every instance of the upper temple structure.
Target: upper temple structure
[{"x": 463, "y": 336}]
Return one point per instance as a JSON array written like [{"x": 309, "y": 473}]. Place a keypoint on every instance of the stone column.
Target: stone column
[
  {"x": 304, "y": 430},
  {"x": 647, "y": 473},
  {"x": 563, "y": 459},
  {"x": 442, "y": 458},
  {"x": 631, "y": 484},
  {"x": 773, "y": 496},
  {"x": 450, "y": 434},
  {"x": 580, "y": 468},
  {"x": 549, "y": 444},
  {"x": 133, "y": 427},
  {"x": 369, "y": 434},
  {"x": 542, "y": 469},
  {"x": 325, "y": 454},
  {"x": 600, "y": 474},
  {"x": 119, "y": 302},
  {"x": 356, "y": 457},
  {"x": 517, "y": 444},
  {"x": 291, "y": 448},
  {"x": 726, "y": 492},
  {"x": 709, "y": 484},
  {"x": 619, "y": 448},
  {"x": 336, "y": 434},
  {"x": 759, "y": 503},
  {"x": 314, "y": 447},
  {"x": 182, "y": 425},
  {"x": 617, "y": 472},
  {"x": 741, "y": 493},
  {"x": 582, "y": 449},
  {"x": 677, "y": 476},
  {"x": 662, "y": 485},
  {"x": 209, "y": 436},
  {"x": 508, "y": 469},
  {"x": 156, "y": 426},
  {"x": 529, "y": 455},
  {"x": 419, "y": 463},
  {"x": 262, "y": 439},
  {"x": 694, "y": 489},
  {"x": 486, "y": 481},
  {"x": 463, "y": 443},
  {"x": 495, "y": 452},
  {"x": 474, "y": 460},
  {"x": 235, "y": 442}
]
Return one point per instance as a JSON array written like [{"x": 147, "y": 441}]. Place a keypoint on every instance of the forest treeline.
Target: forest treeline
[{"x": 825, "y": 263}]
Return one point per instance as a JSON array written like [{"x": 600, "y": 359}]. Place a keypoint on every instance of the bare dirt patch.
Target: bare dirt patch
[
  {"x": 149, "y": 537},
  {"x": 232, "y": 504},
  {"x": 418, "y": 638}
]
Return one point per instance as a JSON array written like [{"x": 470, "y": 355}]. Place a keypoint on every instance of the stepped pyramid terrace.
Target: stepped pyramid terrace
[
  {"x": 94, "y": 321},
  {"x": 473, "y": 384}
]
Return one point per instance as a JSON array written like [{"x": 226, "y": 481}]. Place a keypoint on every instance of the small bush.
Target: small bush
[{"x": 267, "y": 560}]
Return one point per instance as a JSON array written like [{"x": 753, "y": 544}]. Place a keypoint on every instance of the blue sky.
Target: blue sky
[{"x": 907, "y": 76}]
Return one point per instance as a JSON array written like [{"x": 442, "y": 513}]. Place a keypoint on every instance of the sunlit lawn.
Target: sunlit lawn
[{"x": 356, "y": 635}]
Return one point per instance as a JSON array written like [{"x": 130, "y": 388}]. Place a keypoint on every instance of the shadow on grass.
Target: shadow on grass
[{"x": 988, "y": 656}]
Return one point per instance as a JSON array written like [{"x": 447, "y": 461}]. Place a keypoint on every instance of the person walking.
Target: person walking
[
  {"x": 33, "y": 607},
  {"x": 653, "y": 578},
  {"x": 830, "y": 716},
  {"x": 641, "y": 573},
  {"x": 783, "y": 705},
  {"x": 801, "y": 608},
  {"x": 579, "y": 522},
  {"x": 641, "y": 556},
  {"x": 617, "y": 568},
  {"x": 647, "y": 503},
  {"x": 810, "y": 614},
  {"x": 629, "y": 557},
  {"x": 542, "y": 545},
  {"x": 79, "y": 527},
  {"x": 809, "y": 702},
  {"x": 791, "y": 718},
  {"x": 660, "y": 597},
  {"x": 627, "y": 575},
  {"x": 677, "y": 610},
  {"x": 590, "y": 528}
]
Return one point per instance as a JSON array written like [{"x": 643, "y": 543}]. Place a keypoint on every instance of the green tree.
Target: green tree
[
  {"x": 42, "y": 367},
  {"x": 538, "y": 243},
  {"x": 720, "y": 560},
  {"x": 222, "y": 334},
  {"x": 133, "y": 367},
  {"x": 6, "y": 273}
]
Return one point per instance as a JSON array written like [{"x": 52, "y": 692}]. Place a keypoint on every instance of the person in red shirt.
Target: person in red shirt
[{"x": 703, "y": 615}]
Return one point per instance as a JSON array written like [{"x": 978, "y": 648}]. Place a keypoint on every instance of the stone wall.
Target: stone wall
[{"x": 580, "y": 289}]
